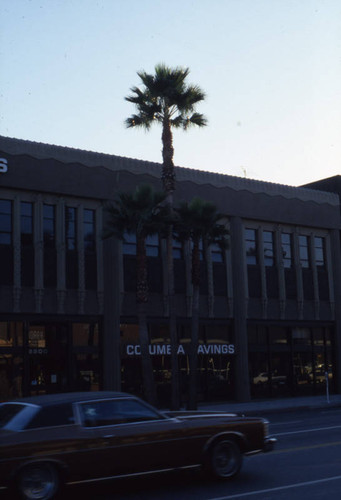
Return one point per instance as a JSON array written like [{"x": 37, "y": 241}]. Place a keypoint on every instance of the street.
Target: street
[{"x": 306, "y": 463}]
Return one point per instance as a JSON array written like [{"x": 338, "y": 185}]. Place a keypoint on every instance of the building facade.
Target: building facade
[{"x": 269, "y": 310}]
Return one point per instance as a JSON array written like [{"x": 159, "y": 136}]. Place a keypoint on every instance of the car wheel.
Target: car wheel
[
  {"x": 225, "y": 459},
  {"x": 39, "y": 481}
]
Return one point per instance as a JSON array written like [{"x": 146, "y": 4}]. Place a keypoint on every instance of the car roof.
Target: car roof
[{"x": 69, "y": 397}]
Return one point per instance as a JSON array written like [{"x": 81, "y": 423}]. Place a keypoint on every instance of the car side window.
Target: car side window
[
  {"x": 111, "y": 412},
  {"x": 52, "y": 416}
]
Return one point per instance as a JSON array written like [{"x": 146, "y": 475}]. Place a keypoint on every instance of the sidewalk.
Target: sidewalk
[{"x": 264, "y": 407}]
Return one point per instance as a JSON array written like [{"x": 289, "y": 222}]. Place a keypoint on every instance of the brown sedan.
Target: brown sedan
[{"x": 47, "y": 441}]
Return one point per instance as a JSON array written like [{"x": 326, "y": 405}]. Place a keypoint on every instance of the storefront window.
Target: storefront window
[
  {"x": 301, "y": 336},
  {"x": 11, "y": 376},
  {"x": 85, "y": 334},
  {"x": 86, "y": 372},
  {"x": 278, "y": 336},
  {"x": 11, "y": 333}
]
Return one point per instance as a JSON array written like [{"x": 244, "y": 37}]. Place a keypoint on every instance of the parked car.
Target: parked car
[
  {"x": 263, "y": 378},
  {"x": 51, "y": 440}
]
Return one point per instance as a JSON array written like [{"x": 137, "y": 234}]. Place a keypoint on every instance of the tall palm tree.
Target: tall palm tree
[
  {"x": 200, "y": 222},
  {"x": 141, "y": 214},
  {"x": 167, "y": 99}
]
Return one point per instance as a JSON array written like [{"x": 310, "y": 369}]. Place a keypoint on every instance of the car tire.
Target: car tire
[
  {"x": 38, "y": 481},
  {"x": 225, "y": 459}
]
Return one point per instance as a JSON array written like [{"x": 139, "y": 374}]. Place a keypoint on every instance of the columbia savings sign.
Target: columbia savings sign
[
  {"x": 166, "y": 349},
  {"x": 3, "y": 165}
]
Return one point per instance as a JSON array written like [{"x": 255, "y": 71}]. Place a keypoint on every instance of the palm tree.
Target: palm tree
[
  {"x": 199, "y": 222},
  {"x": 165, "y": 98},
  {"x": 141, "y": 214}
]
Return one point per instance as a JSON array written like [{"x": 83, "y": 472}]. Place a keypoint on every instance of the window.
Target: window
[
  {"x": 5, "y": 222},
  {"x": 71, "y": 258},
  {"x": 70, "y": 228},
  {"x": 217, "y": 253},
  {"x": 251, "y": 246},
  {"x": 26, "y": 223},
  {"x": 116, "y": 411},
  {"x": 268, "y": 246},
  {"x": 89, "y": 231},
  {"x": 27, "y": 243},
  {"x": 303, "y": 243},
  {"x": 286, "y": 240},
  {"x": 49, "y": 226},
  {"x": 319, "y": 251},
  {"x": 90, "y": 249},
  {"x": 6, "y": 249},
  {"x": 129, "y": 244},
  {"x": 50, "y": 254},
  {"x": 52, "y": 416},
  {"x": 152, "y": 245},
  {"x": 177, "y": 249}
]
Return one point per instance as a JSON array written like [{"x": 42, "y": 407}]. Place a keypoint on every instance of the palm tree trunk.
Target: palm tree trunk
[
  {"x": 142, "y": 299},
  {"x": 168, "y": 180},
  {"x": 193, "y": 359}
]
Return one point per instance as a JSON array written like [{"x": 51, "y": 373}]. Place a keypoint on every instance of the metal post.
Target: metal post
[{"x": 327, "y": 386}]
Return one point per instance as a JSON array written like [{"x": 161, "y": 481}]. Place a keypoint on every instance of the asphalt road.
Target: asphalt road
[{"x": 305, "y": 464}]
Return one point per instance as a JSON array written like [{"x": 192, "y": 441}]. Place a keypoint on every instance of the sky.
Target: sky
[{"x": 270, "y": 69}]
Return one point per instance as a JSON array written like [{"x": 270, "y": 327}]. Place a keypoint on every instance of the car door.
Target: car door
[{"x": 132, "y": 437}]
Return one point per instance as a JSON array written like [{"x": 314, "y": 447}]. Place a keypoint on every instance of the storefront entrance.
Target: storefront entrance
[
  {"x": 290, "y": 361},
  {"x": 41, "y": 357}
]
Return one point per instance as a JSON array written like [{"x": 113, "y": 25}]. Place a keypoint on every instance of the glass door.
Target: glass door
[{"x": 47, "y": 358}]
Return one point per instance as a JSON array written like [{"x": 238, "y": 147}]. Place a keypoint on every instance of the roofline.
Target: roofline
[{"x": 93, "y": 159}]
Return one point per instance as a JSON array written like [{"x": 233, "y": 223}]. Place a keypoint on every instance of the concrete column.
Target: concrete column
[
  {"x": 111, "y": 318},
  {"x": 242, "y": 383},
  {"x": 99, "y": 257},
  {"x": 16, "y": 255},
  {"x": 38, "y": 254},
  {"x": 336, "y": 263},
  {"x": 60, "y": 246},
  {"x": 81, "y": 260}
]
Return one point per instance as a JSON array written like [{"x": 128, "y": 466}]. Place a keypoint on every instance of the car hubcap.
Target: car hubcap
[{"x": 38, "y": 483}]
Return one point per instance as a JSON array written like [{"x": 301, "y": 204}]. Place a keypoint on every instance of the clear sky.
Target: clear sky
[{"x": 271, "y": 70}]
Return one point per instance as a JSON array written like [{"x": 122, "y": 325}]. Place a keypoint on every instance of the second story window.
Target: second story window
[
  {"x": 70, "y": 228},
  {"x": 89, "y": 230},
  {"x": 49, "y": 226},
  {"x": 286, "y": 242},
  {"x": 6, "y": 251},
  {"x": 177, "y": 249},
  {"x": 26, "y": 223},
  {"x": 129, "y": 244},
  {"x": 71, "y": 262},
  {"x": 50, "y": 254},
  {"x": 217, "y": 254},
  {"x": 27, "y": 243},
  {"x": 303, "y": 243},
  {"x": 319, "y": 251},
  {"x": 251, "y": 246},
  {"x": 89, "y": 235},
  {"x": 268, "y": 246},
  {"x": 152, "y": 245},
  {"x": 5, "y": 222}
]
